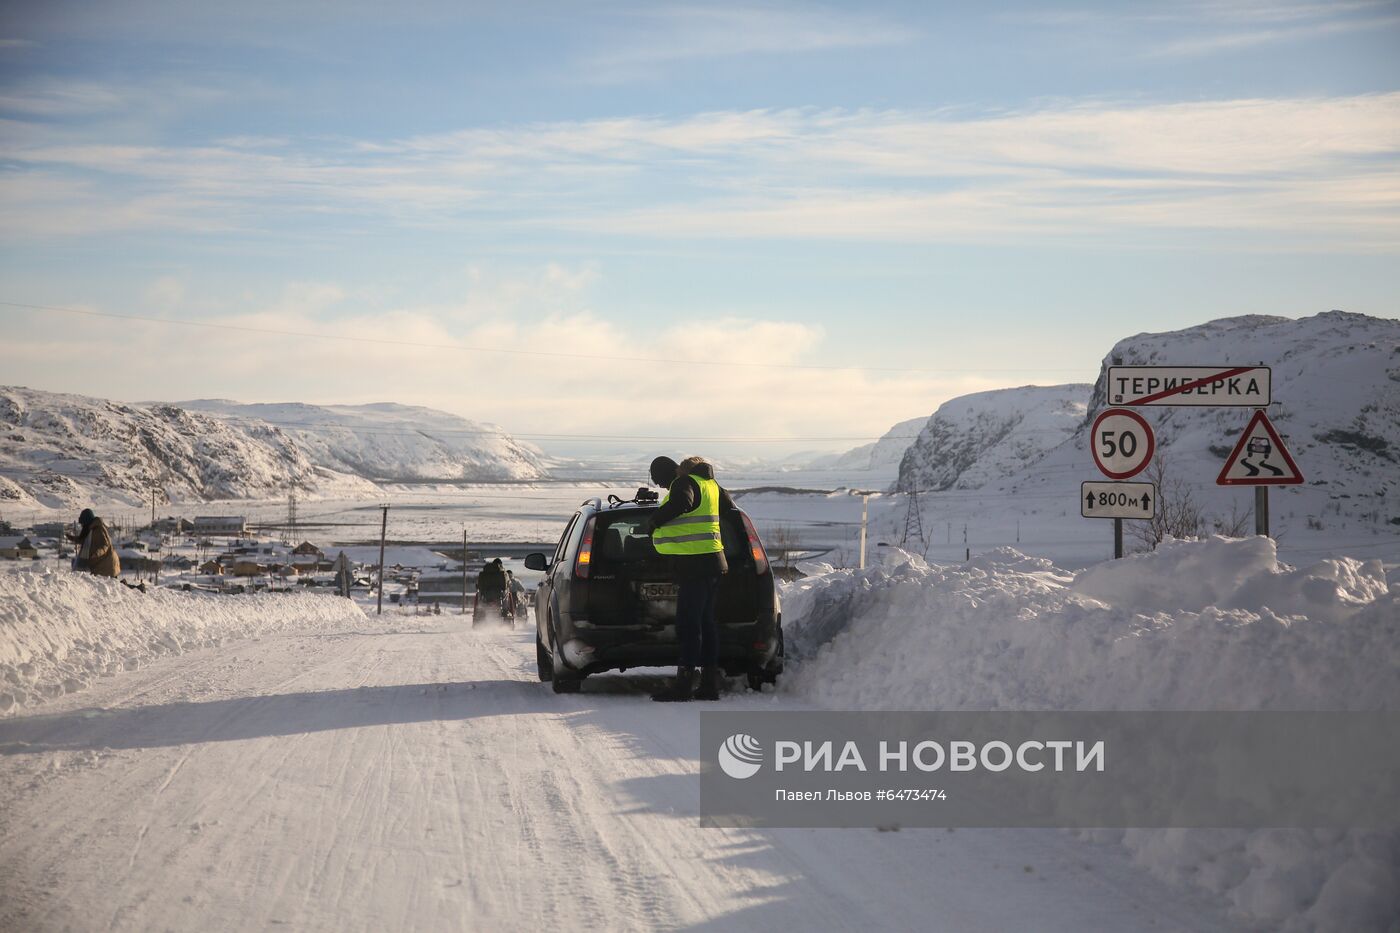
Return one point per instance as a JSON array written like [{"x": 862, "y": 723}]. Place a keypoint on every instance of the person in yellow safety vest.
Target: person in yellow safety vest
[{"x": 686, "y": 530}]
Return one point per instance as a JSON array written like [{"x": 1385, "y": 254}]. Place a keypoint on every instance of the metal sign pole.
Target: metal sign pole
[
  {"x": 383, "y": 529},
  {"x": 864, "y": 512},
  {"x": 1117, "y": 538},
  {"x": 464, "y": 571},
  {"x": 1261, "y": 510}
]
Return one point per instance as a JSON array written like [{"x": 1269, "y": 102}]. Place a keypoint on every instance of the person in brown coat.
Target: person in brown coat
[{"x": 96, "y": 554}]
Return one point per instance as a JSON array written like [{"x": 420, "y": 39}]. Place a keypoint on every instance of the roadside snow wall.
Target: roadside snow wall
[
  {"x": 1216, "y": 624},
  {"x": 59, "y": 631}
]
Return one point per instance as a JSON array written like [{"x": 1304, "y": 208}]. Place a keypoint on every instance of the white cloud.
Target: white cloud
[
  {"x": 1101, "y": 171},
  {"x": 575, "y": 395},
  {"x": 662, "y": 34},
  {"x": 1179, "y": 30}
]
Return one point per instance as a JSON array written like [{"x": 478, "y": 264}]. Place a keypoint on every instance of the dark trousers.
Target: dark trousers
[{"x": 696, "y": 627}]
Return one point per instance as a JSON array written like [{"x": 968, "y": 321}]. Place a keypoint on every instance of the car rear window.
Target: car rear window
[{"x": 618, "y": 539}]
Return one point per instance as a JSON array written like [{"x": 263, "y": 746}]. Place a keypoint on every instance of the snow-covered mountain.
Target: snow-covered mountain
[
  {"x": 60, "y": 450},
  {"x": 1336, "y": 392},
  {"x": 884, "y": 454},
  {"x": 975, "y": 439},
  {"x": 387, "y": 442}
]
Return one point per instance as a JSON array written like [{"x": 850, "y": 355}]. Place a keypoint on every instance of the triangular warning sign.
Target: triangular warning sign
[{"x": 1260, "y": 459}]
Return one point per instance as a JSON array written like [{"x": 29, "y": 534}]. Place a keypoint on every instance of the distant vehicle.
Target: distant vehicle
[
  {"x": 608, "y": 602},
  {"x": 501, "y": 608}
]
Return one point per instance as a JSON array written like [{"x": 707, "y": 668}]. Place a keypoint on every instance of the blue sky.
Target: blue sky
[{"x": 975, "y": 195}]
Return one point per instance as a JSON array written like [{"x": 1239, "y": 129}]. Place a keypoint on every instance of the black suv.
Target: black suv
[{"x": 608, "y": 602}]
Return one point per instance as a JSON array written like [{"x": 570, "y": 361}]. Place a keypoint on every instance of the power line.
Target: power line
[{"x": 467, "y": 348}]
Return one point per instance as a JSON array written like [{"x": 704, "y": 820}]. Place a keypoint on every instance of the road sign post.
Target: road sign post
[
  {"x": 1260, "y": 459},
  {"x": 1117, "y": 501},
  {"x": 1122, "y": 443}
]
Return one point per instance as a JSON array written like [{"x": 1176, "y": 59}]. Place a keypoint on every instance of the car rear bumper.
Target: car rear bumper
[{"x": 589, "y": 649}]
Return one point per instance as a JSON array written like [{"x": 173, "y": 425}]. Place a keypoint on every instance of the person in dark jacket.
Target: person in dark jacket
[
  {"x": 95, "y": 554},
  {"x": 491, "y": 584},
  {"x": 687, "y": 529}
]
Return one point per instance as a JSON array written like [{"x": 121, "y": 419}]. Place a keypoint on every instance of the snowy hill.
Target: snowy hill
[
  {"x": 975, "y": 439},
  {"x": 884, "y": 454},
  {"x": 386, "y": 442},
  {"x": 61, "y": 450},
  {"x": 1336, "y": 390}
]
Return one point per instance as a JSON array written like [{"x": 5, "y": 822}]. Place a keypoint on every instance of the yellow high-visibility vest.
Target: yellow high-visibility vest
[{"x": 695, "y": 532}]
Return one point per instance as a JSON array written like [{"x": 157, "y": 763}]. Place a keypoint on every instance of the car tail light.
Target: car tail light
[
  {"x": 760, "y": 559},
  {"x": 585, "y": 550}
]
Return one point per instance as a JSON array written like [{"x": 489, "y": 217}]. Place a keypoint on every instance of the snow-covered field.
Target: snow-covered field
[
  {"x": 60, "y": 631},
  {"x": 418, "y": 777},
  {"x": 284, "y": 759},
  {"x": 1196, "y": 625}
]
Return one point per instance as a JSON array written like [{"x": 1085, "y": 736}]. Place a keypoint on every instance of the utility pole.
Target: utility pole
[
  {"x": 864, "y": 516},
  {"x": 967, "y": 551},
  {"x": 383, "y": 529},
  {"x": 153, "y": 507},
  {"x": 464, "y": 571},
  {"x": 914, "y": 522}
]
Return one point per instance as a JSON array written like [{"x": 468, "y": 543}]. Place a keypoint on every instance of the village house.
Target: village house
[
  {"x": 220, "y": 525},
  {"x": 17, "y": 547}
]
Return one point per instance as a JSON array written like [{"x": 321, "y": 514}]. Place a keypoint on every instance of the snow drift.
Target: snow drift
[
  {"x": 59, "y": 631},
  {"x": 1216, "y": 624}
]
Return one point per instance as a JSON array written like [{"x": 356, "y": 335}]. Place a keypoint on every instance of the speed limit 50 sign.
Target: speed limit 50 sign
[{"x": 1122, "y": 442}]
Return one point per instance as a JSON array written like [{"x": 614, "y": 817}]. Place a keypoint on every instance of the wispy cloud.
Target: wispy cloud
[
  {"x": 1217, "y": 26},
  {"x": 654, "y": 36},
  {"x": 546, "y": 307},
  {"x": 1110, "y": 172},
  {"x": 55, "y": 98}
]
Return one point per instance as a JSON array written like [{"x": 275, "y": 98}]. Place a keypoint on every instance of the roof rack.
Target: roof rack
[{"x": 593, "y": 501}]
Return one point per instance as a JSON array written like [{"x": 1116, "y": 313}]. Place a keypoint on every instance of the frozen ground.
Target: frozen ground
[
  {"x": 1199, "y": 625},
  {"x": 285, "y": 759},
  {"x": 421, "y": 778}
]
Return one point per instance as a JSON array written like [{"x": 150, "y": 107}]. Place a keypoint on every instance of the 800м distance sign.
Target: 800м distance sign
[{"x": 1117, "y": 500}]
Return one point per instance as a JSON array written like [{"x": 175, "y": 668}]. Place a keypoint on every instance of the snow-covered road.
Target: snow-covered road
[{"x": 424, "y": 779}]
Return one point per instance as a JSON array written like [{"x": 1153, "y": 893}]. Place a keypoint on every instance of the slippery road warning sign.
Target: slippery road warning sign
[
  {"x": 1117, "y": 500},
  {"x": 1259, "y": 458},
  {"x": 1239, "y": 386},
  {"x": 1122, "y": 443}
]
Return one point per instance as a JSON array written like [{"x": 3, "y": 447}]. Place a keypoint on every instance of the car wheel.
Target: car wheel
[
  {"x": 768, "y": 675},
  {"x": 543, "y": 662},
  {"x": 563, "y": 682}
]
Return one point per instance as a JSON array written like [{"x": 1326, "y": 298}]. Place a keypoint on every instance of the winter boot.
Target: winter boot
[
  {"x": 681, "y": 690},
  {"x": 709, "y": 684}
]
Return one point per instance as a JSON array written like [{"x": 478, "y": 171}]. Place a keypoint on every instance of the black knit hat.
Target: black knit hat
[
  {"x": 663, "y": 471},
  {"x": 85, "y": 517}
]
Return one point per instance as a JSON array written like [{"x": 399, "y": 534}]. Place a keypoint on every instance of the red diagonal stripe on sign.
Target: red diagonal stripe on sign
[{"x": 1177, "y": 390}]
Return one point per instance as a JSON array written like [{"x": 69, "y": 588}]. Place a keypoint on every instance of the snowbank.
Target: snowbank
[
  {"x": 59, "y": 631},
  {"x": 1195, "y": 625}
]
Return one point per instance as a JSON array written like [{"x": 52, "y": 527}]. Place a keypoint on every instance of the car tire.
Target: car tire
[
  {"x": 543, "y": 662},
  {"x": 562, "y": 682},
  {"x": 769, "y": 674}
]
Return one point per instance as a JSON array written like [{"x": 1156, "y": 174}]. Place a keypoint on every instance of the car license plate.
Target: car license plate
[{"x": 659, "y": 590}]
